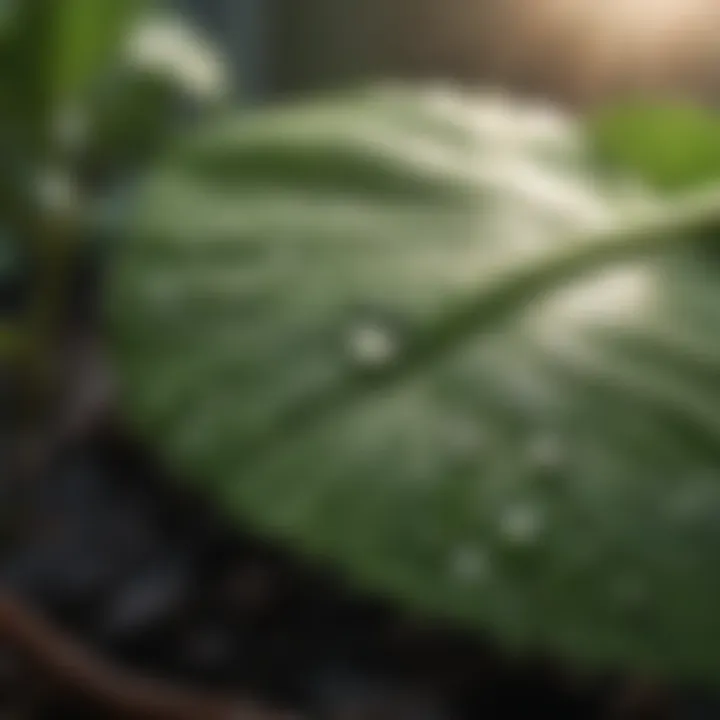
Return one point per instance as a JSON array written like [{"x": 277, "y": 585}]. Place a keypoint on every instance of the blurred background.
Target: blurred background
[{"x": 575, "y": 50}]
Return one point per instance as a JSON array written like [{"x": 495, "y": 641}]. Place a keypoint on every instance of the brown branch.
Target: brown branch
[
  {"x": 117, "y": 691},
  {"x": 641, "y": 699}
]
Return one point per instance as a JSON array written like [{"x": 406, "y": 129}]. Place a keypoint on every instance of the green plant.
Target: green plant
[
  {"x": 89, "y": 91},
  {"x": 422, "y": 336},
  {"x": 416, "y": 333},
  {"x": 672, "y": 147}
]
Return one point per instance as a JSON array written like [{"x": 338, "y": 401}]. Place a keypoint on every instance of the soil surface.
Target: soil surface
[{"x": 120, "y": 557}]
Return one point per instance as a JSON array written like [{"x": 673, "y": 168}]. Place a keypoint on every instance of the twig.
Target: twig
[
  {"x": 641, "y": 699},
  {"x": 118, "y": 692}
]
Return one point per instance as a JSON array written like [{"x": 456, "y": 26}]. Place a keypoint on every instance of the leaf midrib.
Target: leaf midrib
[{"x": 645, "y": 234}]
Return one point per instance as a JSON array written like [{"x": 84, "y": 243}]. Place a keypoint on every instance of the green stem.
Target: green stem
[
  {"x": 676, "y": 224},
  {"x": 54, "y": 244}
]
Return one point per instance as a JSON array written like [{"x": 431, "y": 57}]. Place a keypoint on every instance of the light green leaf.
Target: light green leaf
[
  {"x": 168, "y": 48},
  {"x": 671, "y": 146},
  {"x": 410, "y": 333}
]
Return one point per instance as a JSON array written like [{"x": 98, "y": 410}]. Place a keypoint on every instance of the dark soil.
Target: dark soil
[{"x": 118, "y": 556}]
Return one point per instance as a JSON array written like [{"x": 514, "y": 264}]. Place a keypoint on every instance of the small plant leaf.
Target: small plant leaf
[
  {"x": 412, "y": 334},
  {"x": 672, "y": 146},
  {"x": 90, "y": 33},
  {"x": 54, "y": 51}
]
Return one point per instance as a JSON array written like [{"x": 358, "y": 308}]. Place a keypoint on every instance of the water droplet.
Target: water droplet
[
  {"x": 522, "y": 523},
  {"x": 372, "y": 344},
  {"x": 470, "y": 564}
]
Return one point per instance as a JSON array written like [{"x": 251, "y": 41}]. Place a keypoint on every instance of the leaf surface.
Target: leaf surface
[{"x": 413, "y": 334}]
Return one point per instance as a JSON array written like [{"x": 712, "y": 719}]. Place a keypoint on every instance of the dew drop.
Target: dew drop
[
  {"x": 522, "y": 523},
  {"x": 372, "y": 344},
  {"x": 470, "y": 564}
]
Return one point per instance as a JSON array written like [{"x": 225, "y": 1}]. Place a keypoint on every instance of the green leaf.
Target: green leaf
[
  {"x": 413, "y": 335},
  {"x": 179, "y": 55},
  {"x": 55, "y": 49},
  {"x": 170, "y": 75},
  {"x": 674, "y": 147},
  {"x": 89, "y": 34}
]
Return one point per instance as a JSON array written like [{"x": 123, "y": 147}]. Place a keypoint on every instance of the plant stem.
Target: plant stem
[
  {"x": 54, "y": 243},
  {"x": 118, "y": 692}
]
